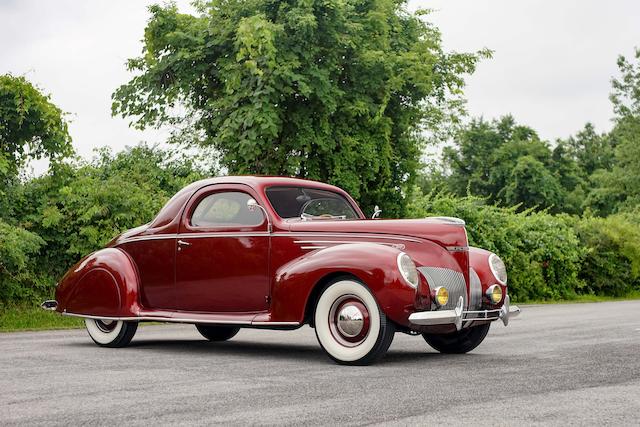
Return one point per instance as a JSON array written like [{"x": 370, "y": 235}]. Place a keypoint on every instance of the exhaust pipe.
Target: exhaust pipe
[{"x": 49, "y": 305}]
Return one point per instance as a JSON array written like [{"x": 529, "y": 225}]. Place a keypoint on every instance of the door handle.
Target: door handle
[{"x": 183, "y": 243}]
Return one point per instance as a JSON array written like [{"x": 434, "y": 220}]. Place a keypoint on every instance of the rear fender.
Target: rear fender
[
  {"x": 373, "y": 264},
  {"x": 104, "y": 283}
]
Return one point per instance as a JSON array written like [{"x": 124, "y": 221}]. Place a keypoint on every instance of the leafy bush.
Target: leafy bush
[
  {"x": 18, "y": 277},
  {"x": 612, "y": 262},
  {"x": 541, "y": 251}
]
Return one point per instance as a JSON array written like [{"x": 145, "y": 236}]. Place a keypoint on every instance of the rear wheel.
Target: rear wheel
[
  {"x": 350, "y": 326},
  {"x": 111, "y": 333},
  {"x": 462, "y": 341},
  {"x": 217, "y": 333}
]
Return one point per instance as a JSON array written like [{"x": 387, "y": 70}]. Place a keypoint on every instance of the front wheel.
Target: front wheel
[
  {"x": 217, "y": 333},
  {"x": 111, "y": 333},
  {"x": 350, "y": 326},
  {"x": 459, "y": 342}
]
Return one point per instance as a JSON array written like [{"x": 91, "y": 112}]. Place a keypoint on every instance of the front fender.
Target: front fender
[
  {"x": 104, "y": 283},
  {"x": 479, "y": 261},
  {"x": 373, "y": 264}
]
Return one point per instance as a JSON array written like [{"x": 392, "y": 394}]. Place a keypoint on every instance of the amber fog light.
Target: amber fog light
[
  {"x": 441, "y": 296},
  {"x": 494, "y": 293}
]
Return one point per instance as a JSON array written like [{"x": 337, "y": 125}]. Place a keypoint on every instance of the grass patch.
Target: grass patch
[
  {"x": 585, "y": 299},
  {"x": 27, "y": 318}
]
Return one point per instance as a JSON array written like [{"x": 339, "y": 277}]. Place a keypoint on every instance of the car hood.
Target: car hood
[{"x": 444, "y": 231}]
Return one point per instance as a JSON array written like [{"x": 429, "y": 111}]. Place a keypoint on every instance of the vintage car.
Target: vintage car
[{"x": 278, "y": 253}]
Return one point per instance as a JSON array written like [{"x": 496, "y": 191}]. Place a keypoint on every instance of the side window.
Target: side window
[{"x": 225, "y": 208}]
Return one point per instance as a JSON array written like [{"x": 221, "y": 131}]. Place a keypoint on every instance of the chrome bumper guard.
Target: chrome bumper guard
[{"x": 458, "y": 316}]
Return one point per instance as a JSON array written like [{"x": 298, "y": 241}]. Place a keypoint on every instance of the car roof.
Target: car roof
[{"x": 257, "y": 181}]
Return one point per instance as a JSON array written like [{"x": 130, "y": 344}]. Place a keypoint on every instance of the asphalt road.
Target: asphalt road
[{"x": 561, "y": 364}]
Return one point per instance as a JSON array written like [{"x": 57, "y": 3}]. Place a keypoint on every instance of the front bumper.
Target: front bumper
[{"x": 458, "y": 316}]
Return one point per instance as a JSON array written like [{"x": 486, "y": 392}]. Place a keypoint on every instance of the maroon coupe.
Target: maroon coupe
[{"x": 269, "y": 252}]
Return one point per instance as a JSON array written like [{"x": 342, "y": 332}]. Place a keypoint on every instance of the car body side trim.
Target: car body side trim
[
  {"x": 214, "y": 234},
  {"x": 181, "y": 320},
  {"x": 321, "y": 234},
  {"x": 196, "y": 235}
]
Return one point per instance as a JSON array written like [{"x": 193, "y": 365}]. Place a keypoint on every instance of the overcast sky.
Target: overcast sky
[{"x": 552, "y": 64}]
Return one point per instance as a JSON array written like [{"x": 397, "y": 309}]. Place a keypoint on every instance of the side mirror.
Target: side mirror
[
  {"x": 252, "y": 205},
  {"x": 376, "y": 212}
]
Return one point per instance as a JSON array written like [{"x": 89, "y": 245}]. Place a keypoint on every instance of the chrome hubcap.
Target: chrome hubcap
[{"x": 350, "y": 321}]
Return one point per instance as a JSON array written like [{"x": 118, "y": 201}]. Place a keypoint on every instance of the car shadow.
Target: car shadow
[
  {"x": 234, "y": 348},
  {"x": 283, "y": 351}
]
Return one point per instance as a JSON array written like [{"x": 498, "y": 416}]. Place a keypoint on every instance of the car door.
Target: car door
[{"x": 222, "y": 257}]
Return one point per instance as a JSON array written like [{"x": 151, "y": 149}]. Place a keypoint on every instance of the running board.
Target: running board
[{"x": 184, "y": 320}]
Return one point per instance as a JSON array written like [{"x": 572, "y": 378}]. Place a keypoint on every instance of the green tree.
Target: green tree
[
  {"x": 31, "y": 127},
  {"x": 333, "y": 90},
  {"x": 590, "y": 150},
  {"x": 507, "y": 163},
  {"x": 532, "y": 185},
  {"x": 618, "y": 189},
  {"x": 19, "y": 276}
]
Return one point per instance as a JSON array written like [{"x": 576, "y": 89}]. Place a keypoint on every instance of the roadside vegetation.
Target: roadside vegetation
[{"x": 345, "y": 92}]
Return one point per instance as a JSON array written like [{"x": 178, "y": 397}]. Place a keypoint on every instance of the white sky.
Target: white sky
[{"x": 551, "y": 69}]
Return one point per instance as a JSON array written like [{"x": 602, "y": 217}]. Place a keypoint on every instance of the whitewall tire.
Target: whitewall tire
[
  {"x": 111, "y": 333},
  {"x": 349, "y": 324}
]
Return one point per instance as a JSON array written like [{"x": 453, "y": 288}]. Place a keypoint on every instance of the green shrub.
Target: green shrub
[
  {"x": 612, "y": 262},
  {"x": 541, "y": 251},
  {"x": 18, "y": 274}
]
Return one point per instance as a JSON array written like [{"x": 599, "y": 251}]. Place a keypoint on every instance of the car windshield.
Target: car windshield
[{"x": 309, "y": 203}]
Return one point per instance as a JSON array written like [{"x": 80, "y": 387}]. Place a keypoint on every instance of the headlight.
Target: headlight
[
  {"x": 498, "y": 269},
  {"x": 408, "y": 269}
]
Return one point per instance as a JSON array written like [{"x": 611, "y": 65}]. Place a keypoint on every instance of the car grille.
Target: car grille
[
  {"x": 475, "y": 290},
  {"x": 450, "y": 279}
]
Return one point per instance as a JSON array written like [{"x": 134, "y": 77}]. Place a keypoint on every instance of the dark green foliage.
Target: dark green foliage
[
  {"x": 590, "y": 151},
  {"x": 336, "y": 91},
  {"x": 508, "y": 164},
  {"x": 19, "y": 277},
  {"x": 31, "y": 127},
  {"x": 617, "y": 187},
  {"x": 612, "y": 262}
]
